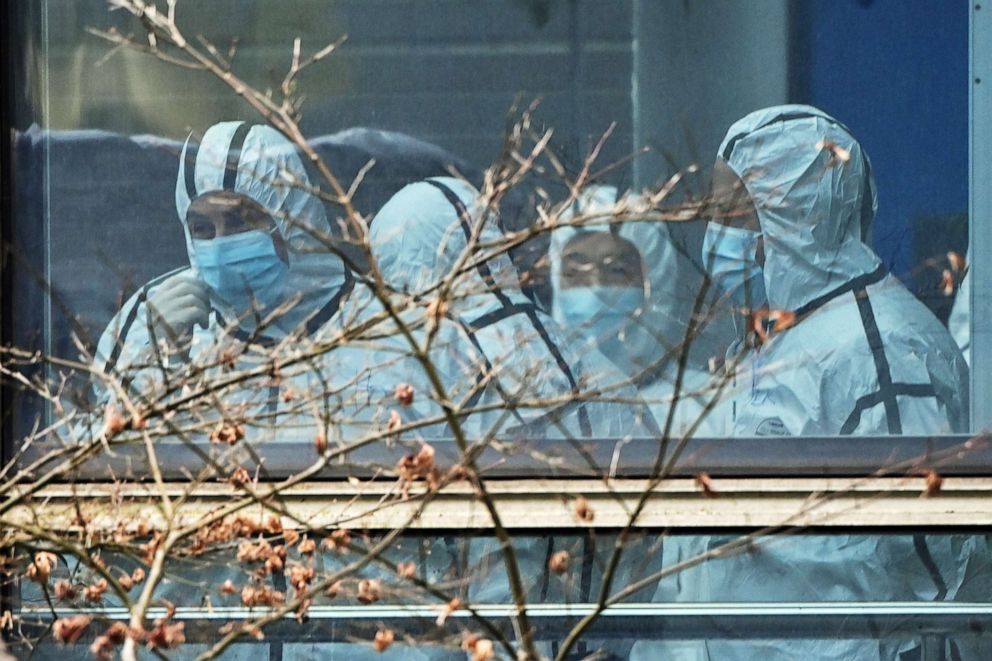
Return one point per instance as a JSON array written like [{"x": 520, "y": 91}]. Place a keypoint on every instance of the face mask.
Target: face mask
[
  {"x": 599, "y": 313},
  {"x": 241, "y": 267},
  {"x": 730, "y": 258}
]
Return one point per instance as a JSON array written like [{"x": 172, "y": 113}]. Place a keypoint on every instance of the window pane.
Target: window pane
[
  {"x": 875, "y": 597},
  {"x": 800, "y": 309}
]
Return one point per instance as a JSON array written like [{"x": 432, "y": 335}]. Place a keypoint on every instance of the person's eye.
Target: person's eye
[{"x": 201, "y": 230}]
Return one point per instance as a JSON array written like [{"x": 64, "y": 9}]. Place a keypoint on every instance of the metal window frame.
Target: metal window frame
[{"x": 980, "y": 211}]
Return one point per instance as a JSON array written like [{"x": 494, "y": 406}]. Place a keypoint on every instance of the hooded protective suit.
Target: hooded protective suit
[
  {"x": 258, "y": 162},
  {"x": 863, "y": 357},
  {"x": 491, "y": 333},
  {"x": 489, "y": 336},
  {"x": 814, "y": 194},
  {"x": 644, "y": 338}
]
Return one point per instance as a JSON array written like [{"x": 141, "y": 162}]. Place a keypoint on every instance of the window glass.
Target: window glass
[
  {"x": 746, "y": 600},
  {"x": 418, "y": 245},
  {"x": 802, "y": 222}
]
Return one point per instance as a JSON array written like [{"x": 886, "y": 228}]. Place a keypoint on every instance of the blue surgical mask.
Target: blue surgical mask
[
  {"x": 730, "y": 258},
  {"x": 241, "y": 267},
  {"x": 598, "y": 313}
]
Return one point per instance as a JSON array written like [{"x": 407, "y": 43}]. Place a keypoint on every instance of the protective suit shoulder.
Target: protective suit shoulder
[{"x": 124, "y": 347}]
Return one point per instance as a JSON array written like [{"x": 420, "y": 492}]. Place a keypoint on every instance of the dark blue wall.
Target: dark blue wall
[{"x": 896, "y": 72}]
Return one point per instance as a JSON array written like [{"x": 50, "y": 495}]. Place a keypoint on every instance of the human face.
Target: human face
[
  {"x": 732, "y": 204},
  {"x": 600, "y": 259},
  {"x": 224, "y": 213}
]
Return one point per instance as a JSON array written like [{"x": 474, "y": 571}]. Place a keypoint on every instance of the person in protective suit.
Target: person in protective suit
[
  {"x": 628, "y": 291},
  {"x": 856, "y": 354},
  {"x": 502, "y": 361},
  {"x": 490, "y": 333},
  {"x": 260, "y": 272}
]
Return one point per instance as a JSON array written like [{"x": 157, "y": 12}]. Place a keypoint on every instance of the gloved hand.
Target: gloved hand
[{"x": 176, "y": 305}]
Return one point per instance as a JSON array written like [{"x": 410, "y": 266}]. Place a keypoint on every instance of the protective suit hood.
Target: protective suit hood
[
  {"x": 418, "y": 236},
  {"x": 811, "y": 185},
  {"x": 259, "y": 162},
  {"x": 672, "y": 282}
]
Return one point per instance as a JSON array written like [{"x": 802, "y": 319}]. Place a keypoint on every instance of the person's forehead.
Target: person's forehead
[
  {"x": 222, "y": 200},
  {"x": 598, "y": 243}
]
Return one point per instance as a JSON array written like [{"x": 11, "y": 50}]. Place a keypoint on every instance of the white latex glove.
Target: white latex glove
[{"x": 176, "y": 305}]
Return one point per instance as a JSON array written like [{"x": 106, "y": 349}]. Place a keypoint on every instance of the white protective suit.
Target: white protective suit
[
  {"x": 864, "y": 357},
  {"x": 489, "y": 325},
  {"x": 647, "y": 347},
  {"x": 959, "y": 322},
  {"x": 417, "y": 238},
  {"x": 252, "y": 160}
]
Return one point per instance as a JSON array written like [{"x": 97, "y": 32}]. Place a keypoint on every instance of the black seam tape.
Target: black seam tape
[
  {"x": 487, "y": 276},
  {"x": 860, "y": 282},
  {"x": 332, "y": 306},
  {"x": 923, "y": 551},
  {"x": 189, "y": 171},
  {"x": 874, "y": 399},
  {"x": 234, "y": 155},
  {"x": 882, "y": 372},
  {"x": 115, "y": 354}
]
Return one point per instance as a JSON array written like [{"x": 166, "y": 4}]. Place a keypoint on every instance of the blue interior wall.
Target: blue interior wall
[{"x": 896, "y": 72}]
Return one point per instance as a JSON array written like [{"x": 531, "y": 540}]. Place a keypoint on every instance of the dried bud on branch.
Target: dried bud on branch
[
  {"x": 404, "y": 394},
  {"x": 383, "y": 639},
  {"x": 933, "y": 484},
  {"x": 69, "y": 629},
  {"x": 113, "y": 422},
  {"x": 416, "y": 466},
  {"x": 103, "y": 647},
  {"x": 307, "y": 546},
  {"x": 262, "y": 595},
  {"x": 447, "y": 610},
  {"x": 227, "y": 432},
  {"x": 166, "y": 634},
  {"x": 583, "y": 510},
  {"x": 705, "y": 484},
  {"x": 41, "y": 568},
  {"x": 559, "y": 562},
  {"x": 394, "y": 422},
  {"x": 764, "y": 322},
  {"x": 837, "y": 153},
  {"x": 369, "y": 591},
  {"x": 338, "y": 541},
  {"x": 239, "y": 478},
  {"x": 481, "y": 648},
  {"x": 300, "y": 577},
  {"x": 95, "y": 591},
  {"x": 65, "y": 591},
  {"x": 125, "y": 582}
]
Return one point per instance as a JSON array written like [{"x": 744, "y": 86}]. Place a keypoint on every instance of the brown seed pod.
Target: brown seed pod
[
  {"x": 404, "y": 394},
  {"x": 369, "y": 591},
  {"x": 934, "y": 482},
  {"x": 559, "y": 562},
  {"x": 583, "y": 510},
  {"x": 69, "y": 629},
  {"x": 383, "y": 639},
  {"x": 705, "y": 484}
]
